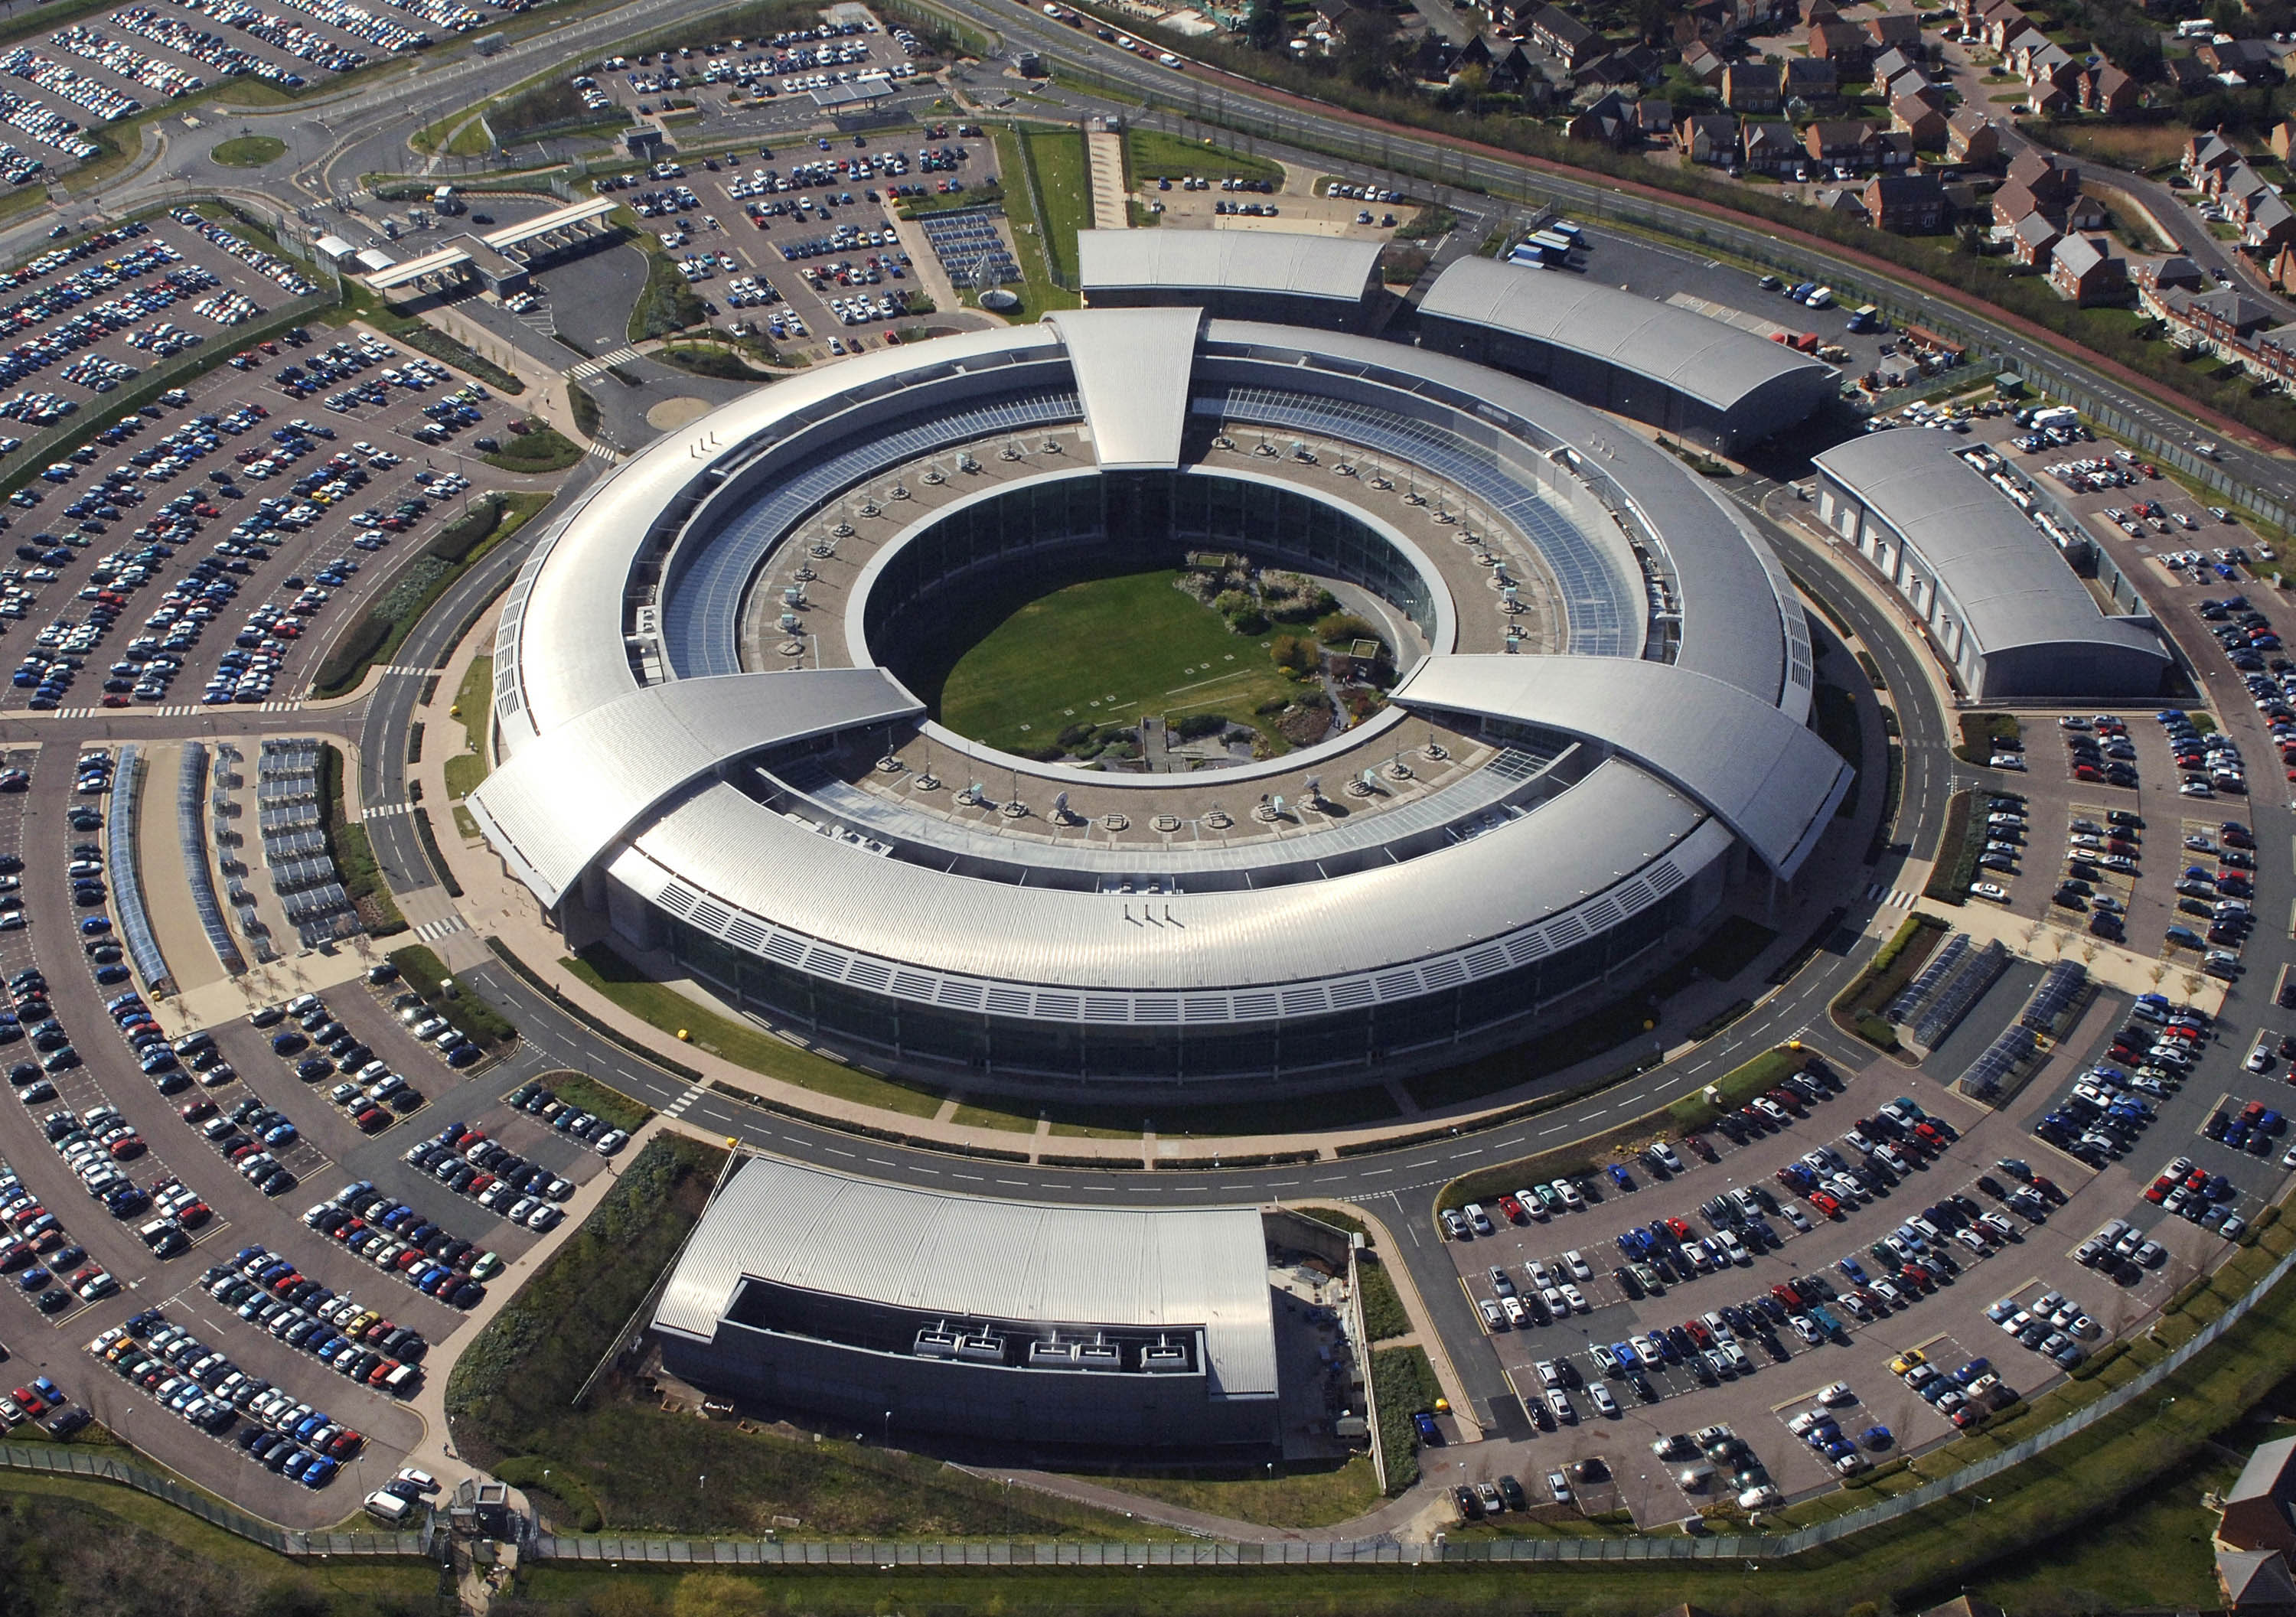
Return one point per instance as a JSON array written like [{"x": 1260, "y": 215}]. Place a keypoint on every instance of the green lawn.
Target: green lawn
[
  {"x": 1038, "y": 290},
  {"x": 248, "y": 151},
  {"x": 1105, "y": 651},
  {"x": 467, "y": 769},
  {"x": 1300, "y": 1493},
  {"x": 1154, "y": 154},
  {"x": 988, "y": 1116},
  {"x": 672, "y": 1012},
  {"x": 1064, "y": 183}
]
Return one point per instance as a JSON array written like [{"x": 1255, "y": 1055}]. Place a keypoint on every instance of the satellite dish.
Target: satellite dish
[
  {"x": 1060, "y": 802},
  {"x": 1314, "y": 786}
]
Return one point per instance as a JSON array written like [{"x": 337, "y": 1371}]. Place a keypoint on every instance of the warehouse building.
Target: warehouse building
[
  {"x": 2003, "y": 606},
  {"x": 1326, "y": 283},
  {"x": 915, "y": 1311},
  {"x": 1668, "y": 367}
]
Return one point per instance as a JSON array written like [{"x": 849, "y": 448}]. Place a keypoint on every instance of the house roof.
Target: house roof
[
  {"x": 1559, "y": 24},
  {"x": 2235, "y": 309},
  {"x": 2268, "y": 1466},
  {"x": 2175, "y": 270},
  {"x": 2034, "y": 230},
  {"x": 2078, "y": 255},
  {"x": 2255, "y": 1577}
]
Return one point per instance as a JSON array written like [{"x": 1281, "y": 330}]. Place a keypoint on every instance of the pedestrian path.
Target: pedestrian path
[
  {"x": 383, "y": 811},
  {"x": 600, "y": 452},
  {"x": 430, "y": 931},
  {"x": 1892, "y": 898},
  {"x": 676, "y": 1108},
  {"x": 602, "y": 363}
]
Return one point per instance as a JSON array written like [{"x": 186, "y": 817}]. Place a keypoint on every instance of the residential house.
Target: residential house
[
  {"x": 1512, "y": 17},
  {"x": 1820, "y": 10},
  {"x": 2237, "y": 327},
  {"x": 1750, "y": 86},
  {"x": 1770, "y": 145},
  {"x": 1973, "y": 139},
  {"x": 2205, "y": 154},
  {"x": 1703, "y": 64},
  {"x": 1431, "y": 57},
  {"x": 2247, "y": 61},
  {"x": 1902, "y": 29},
  {"x": 2283, "y": 140},
  {"x": 2032, "y": 238},
  {"x": 2108, "y": 90},
  {"x": 2006, "y": 27},
  {"x": 2171, "y": 273},
  {"x": 1906, "y": 204},
  {"x": 1809, "y": 80},
  {"x": 1844, "y": 43},
  {"x": 2255, "y": 1583},
  {"x": 1925, "y": 123},
  {"x": 2015, "y": 201},
  {"x": 1611, "y": 120},
  {"x": 2270, "y": 225},
  {"x": 2049, "y": 66},
  {"x": 1989, "y": 20},
  {"x": 1913, "y": 85},
  {"x": 1564, "y": 38},
  {"x": 1843, "y": 200},
  {"x": 1836, "y": 140},
  {"x": 1512, "y": 67},
  {"x": 2084, "y": 270},
  {"x": 2054, "y": 185},
  {"x": 2186, "y": 75},
  {"x": 2283, "y": 268},
  {"x": 1890, "y": 149},
  {"x": 1891, "y": 62},
  {"x": 2232, "y": 185},
  {"x": 1655, "y": 115},
  {"x": 1708, "y": 137}
]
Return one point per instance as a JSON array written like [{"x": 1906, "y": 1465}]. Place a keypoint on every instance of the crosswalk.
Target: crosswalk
[
  {"x": 179, "y": 709},
  {"x": 602, "y": 363},
  {"x": 383, "y": 811},
  {"x": 600, "y": 452},
  {"x": 408, "y": 668},
  {"x": 1892, "y": 898},
  {"x": 676, "y": 1108},
  {"x": 430, "y": 931}
]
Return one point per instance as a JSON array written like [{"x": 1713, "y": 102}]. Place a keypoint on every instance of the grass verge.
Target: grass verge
[
  {"x": 1383, "y": 1305},
  {"x": 1158, "y": 154},
  {"x": 580, "y": 1090},
  {"x": 1038, "y": 290},
  {"x": 354, "y": 854},
  {"x": 248, "y": 151},
  {"x": 1402, "y": 1383},
  {"x": 1857, "y": 1008},
  {"x": 474, "y": 706},
  {"x": 1293, "y": 1493},
  {"x": 1982, "y": 733},
  {"x": 664, "y": 1009},
  {"x": 542, "y": 448},
  {"x": 1960, "y": 844},
  {"x": 458, "y": 547}
]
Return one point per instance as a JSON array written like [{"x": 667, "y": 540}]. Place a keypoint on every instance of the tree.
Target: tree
[{"x": 1263, "y": 26}]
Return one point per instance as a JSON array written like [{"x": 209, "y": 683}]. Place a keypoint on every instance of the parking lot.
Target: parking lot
[
  {"x": 1758, "y": 1312},
  {"x": 266, "y": 499}
]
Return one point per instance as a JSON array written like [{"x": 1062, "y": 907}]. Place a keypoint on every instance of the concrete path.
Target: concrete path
[{"x": 1106, "y": 153}]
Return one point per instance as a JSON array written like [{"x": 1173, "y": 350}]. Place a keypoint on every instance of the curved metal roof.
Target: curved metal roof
[
  {"x": 1132, "y": 368},
  {"x": 1286, "y": 262},
  {"x": 2012, "y": 587},
  {"x": 561, "y": 801},
  {"x": 1770, "y": 778},
  {"x": 1614, "y": 843},
  {"x": 971, "y": 1257},
  {"x": 1704, "y": 359}
]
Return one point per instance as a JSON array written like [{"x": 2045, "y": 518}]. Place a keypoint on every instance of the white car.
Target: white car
[{"x": 1990, "y": 889}]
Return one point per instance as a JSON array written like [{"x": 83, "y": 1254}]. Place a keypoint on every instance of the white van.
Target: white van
[{"x": 388, "y": 1508}]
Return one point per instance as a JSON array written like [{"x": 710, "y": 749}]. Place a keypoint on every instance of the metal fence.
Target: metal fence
[
  {"x": 123, "y": 868},
  {"x": 56, "y": 1461}
]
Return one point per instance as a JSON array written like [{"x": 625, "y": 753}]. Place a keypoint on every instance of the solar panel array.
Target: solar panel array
[
  {"x": 702, "y": 605},
  {"x": 1603, "y": 612},
  {"x": 971, "y": 248},
  {"x": 2058, "y": 989},
  {"x": 190, "y": 783},
  {"x": 1979, "y": 972},
  {"x": 1907, "y": 1007}
]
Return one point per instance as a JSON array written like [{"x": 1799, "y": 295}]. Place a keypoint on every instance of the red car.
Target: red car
[
  {"x": 1513, "y": 1209},
  {"x": 1824, "y": 1200},
  {"x": 1679, "y": 1229},
  {"x": 2159, "y": 1189},
  {"x": 1703, "y": 1146}
]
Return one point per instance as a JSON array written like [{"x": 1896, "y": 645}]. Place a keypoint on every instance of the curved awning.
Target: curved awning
[
  {"x": 1774, "y": 781},
  {"x": 565, "y": 797}
]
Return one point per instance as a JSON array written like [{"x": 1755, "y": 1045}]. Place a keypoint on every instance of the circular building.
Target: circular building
[{"x": 1595, "y": 720}]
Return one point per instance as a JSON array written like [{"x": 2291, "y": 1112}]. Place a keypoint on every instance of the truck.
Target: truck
[
  {"x": 1806, "y": 343},
  {"x": 1545, "y": 248},
  {"x": 444, "y": 201},
  {"x": 1866, "y": 319},
  {"x": 1821, "y": 298}
]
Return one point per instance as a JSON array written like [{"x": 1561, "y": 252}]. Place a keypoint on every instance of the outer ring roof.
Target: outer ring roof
[{"x": 602, "y": 773}]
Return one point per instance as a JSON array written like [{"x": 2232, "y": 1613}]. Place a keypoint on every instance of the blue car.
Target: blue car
[
  {"x": 1431, "y": 1435},
  {"x": 1877, "y": 1437},
  {"x": 1853, "y": 1269},
  {"x": 1620, "y": 1177},
  {"x": 95, "y": 925}
]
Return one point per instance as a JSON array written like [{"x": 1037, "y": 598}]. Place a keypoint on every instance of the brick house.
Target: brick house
[
  {"x": 1836, "y": 140},
  {"x": 2206, "y": 153},
  {"x": 1907, "y": 204},
  {"x": 2283, "y": 268},
  {"x": 2270, "y": 225},
  {"x": 2108, "y": 90},
  {"x": 1563, "y": 36},
  {"x": 1610, "y": 121},
  {"x": 1770, "y": 144},
  {"x": 1919, "y": 120},
  {"x": 1973, "y": 139},
  {"x": 1750, "y": 86},
  {"x": 1708, "y": 137},
  {"x": 1902, "y": 29},
  {"x": 1702, "y": 64},
  {"x": 1806, "y": 78},
  {"x": 2283, "y": 140},
  {"x": 1843, "y": 43},
  {"x": 2084, "y": 270},
  {"x": 2174, "y": 272},
  {"x": 2032, "y": 238},
  {"x": 2053, "y": 186}
]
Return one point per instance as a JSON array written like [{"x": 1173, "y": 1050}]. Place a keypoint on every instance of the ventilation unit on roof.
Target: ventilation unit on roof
[
  {"x": 1099, "y": 1356},
  {"x": 938, "y": 1341},
  {"x": 981, "y": 1349},
  {"x": 1164, "y": 1358},
  {"x": 1052, "y": 1356}
]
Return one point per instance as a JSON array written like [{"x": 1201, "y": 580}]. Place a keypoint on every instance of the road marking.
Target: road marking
[{"x": 430, "y": 931}]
